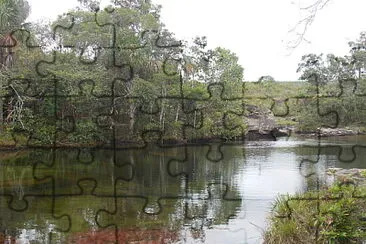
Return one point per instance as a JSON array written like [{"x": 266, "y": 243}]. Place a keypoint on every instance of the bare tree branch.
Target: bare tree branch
[
  {"x": 15, "y": 115},
  {"x": 302, "y": 26}
]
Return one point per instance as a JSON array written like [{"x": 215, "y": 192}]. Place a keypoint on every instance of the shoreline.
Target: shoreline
[
  {"x": 253, "y": 135},
  {"x": 330, "y": 132}
]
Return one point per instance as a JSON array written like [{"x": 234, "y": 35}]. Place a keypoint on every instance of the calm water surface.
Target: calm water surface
[{"x": 193, "y": 194}]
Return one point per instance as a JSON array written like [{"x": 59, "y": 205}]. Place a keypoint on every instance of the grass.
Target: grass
[{"x": 334, "y": 218}]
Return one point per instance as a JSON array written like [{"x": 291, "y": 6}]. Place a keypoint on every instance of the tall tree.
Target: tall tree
[
  {"x": 13, "y": 13},
  {"x": 313, "y": 64},
  {"x": 358, "y": 55}
]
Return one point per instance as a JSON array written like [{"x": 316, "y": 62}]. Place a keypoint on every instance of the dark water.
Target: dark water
[{"x": 194, "y": 194}]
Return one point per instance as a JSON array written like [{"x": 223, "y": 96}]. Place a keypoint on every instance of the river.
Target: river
[{"x": 192, "y": 194}]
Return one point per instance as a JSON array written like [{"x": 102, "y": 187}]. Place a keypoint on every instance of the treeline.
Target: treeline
[
  {"x": 340, "y": 82},
  {"x": 105, "y": 76},
  {"x": 94, "y": 76}
]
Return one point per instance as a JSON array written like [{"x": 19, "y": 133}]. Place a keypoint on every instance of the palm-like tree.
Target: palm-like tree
[{"x": 13, "y": 13}]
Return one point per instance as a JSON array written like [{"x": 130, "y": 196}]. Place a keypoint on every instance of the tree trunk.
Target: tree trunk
[
  {"x": 132, "y": 118},
  {"x": 1, "y": 115},
  {"x": 177, "y": 113},
  {"x": 162, "y": 117},
  {"x": 131, "y": 108}
]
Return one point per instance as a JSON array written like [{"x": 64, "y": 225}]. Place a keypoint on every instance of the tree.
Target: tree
[
  {"x": 222, "y": 66},
  {"x": 330, "y": 69},
  {"x": 124, "y": 47},
  {"x": 266, "y": 78},
  {"x": 13, "y": 13},
  {"x": 338, "y": 76},
  {"x": 340, "y": 68},
  {"x": 313, "y": 64},
  {"x": 92, "y": 5},
  {"x": 120, "y": 68},
  {"x": 358, "y": 55},
  {"x": 336, "y": 68}
]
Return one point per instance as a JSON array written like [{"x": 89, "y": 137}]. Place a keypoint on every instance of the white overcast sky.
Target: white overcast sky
[{"x": 256, "y": 30}]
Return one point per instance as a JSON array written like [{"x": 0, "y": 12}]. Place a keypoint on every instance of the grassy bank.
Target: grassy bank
[{"x": 334, "y": 215}]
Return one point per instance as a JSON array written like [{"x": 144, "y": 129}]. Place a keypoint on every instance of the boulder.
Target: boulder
[{"x": 262, "y": 124}]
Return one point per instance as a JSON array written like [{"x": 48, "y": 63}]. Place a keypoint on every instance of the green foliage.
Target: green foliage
[
  {"x": 86, "y": 132},
  {"x": 338, "y": 220},
  {"x": 12, "y": 14},
  {"x": 334, "y": 68}
]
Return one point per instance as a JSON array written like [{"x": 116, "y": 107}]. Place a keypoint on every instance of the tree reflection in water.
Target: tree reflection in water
[{"x": 131, "y": 195}]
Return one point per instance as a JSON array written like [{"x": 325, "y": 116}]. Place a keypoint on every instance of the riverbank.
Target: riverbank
[
  {"x": 287, "y": 131},
  {"x": 335, "y": 214},
  {"x": 328, "y": 132},
  {"x": 8, "y": 143}
]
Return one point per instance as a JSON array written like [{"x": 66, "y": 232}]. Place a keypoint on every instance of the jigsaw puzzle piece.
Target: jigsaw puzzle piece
[
  {"x": 82, "y": 210},
  {"x": 43, "y": 218},
  {"x": 320, "y": 210},
  {"x": 327, "y": 117},
  {"x": 198, "y": 201},
  {"x": 359, "y": 88},
  {"x": 222, "y": 124},
  {"x": 111, "y": 120},
  {"x": 200, "y": 211},
  {"x": 325, "y": 95},
  {"x": 197, "y": 210},
  {"x": 200, "y": 157},
  {"x": 128, "y": 43},
  {"x": 17, "y": 180},
  {"x": 144, "y": 183},
  {"x": 120, "y": 88},
  {"x": 127, "y": 213},
  {"x": 128, "y": 206},
  {"x": 23, "y": 195},
  {"x": 70, "y": 166},
  {"x": 28, "y": 88},
  {"x": 280, "y": 107},
  {"x": 23, "y": 80},
  {"x": 76, "y": 121},
  {"x": 126, "y": 105},
  {"x": 152, "y": 196},
  {"x": 333, "y": 152}
]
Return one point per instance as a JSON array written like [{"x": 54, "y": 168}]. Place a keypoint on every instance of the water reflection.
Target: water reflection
[
  {"x": 200, "y": 194},
  {"x": 76, "y": 195}
]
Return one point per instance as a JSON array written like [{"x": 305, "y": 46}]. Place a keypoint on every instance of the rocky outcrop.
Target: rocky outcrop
[
  {"x": 337, "y": 132},
  {"x": 262, "y": 124},
  {"x": 325, "y": 132}
]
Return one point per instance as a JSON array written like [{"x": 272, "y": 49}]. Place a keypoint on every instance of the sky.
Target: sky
[{"x": 256, "y": 30}]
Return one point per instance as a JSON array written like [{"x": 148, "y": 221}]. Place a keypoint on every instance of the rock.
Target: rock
[
  {"x": 336, "y": 132},
  {"x": 260, "y": 119},
  {"x": 280, "y": 132},
  {"x": 256, "y": 135},
  {"x": 261, "y": 124},
  {"x": 348, "y": 176}
]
